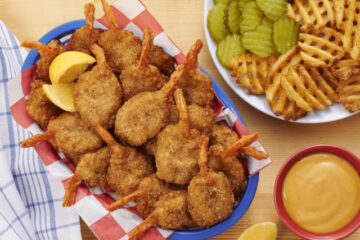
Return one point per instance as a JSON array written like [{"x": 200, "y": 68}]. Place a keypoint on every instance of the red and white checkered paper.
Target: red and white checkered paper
[{"x": 91, "y": 204}]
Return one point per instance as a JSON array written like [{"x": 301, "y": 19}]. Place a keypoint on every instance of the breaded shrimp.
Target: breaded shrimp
[
  {"x": 97, "y": 93},
  {"x": 224, "y": 159},
  {"x": 92, "y": 169},
  {"x": 210, "y": 197},
  {"x": 121, "y": 47},
  {"x": 200, "y": 118},
  {"x": 145, "y": 114},
  {"x": 127, "y": 166},
  {"x": 142, "y": 76},
  {"x": 170, "y": 213},
  {"x": 39, "y": 107},
  {"x": 177, "y": 149},
  {"x": 163, "y": 61},
  {"x": 68, "y": 134},
  {"x": 223, "y": 135},
  {"x": 197, "y": 86},
  {"x": 47, "y": 54},
  {"x": 87, "y": 35},
  {"x": 150, "y": 190}
]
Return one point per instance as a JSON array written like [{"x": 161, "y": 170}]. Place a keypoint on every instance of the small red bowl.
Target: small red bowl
[{"x": 279, "y": 204}]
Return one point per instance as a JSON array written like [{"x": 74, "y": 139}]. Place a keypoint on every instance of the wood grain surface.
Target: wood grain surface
[{"x": 183, "y": 21}]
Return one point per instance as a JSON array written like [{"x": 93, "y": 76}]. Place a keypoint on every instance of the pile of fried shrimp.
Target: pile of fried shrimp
[{"x": 143, "y": 128}]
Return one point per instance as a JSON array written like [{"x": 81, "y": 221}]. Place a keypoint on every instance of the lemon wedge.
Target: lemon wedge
[
  {"x": 67, "y": 66},
  {"x": 263, "y": 231},
  {"x": 61, "y": 94}
]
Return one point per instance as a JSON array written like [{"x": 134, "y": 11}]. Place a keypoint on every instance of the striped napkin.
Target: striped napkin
[{"x": 30, "y": 198}]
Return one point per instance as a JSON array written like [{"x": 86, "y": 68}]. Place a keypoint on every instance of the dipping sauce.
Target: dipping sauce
[{"x": 321, "y": 193}]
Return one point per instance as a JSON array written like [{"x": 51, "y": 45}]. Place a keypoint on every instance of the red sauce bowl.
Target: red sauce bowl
[{"x": 279, "y": 204}]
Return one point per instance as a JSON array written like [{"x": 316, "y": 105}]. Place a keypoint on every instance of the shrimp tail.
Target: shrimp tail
[
  {"x": 150, "y": 221},
  {"x": 70, "y": 191},
  {"x": 121, "y": 202}
]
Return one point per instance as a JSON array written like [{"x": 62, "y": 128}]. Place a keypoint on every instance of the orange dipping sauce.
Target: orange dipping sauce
[{"x": 321, "y": 193}]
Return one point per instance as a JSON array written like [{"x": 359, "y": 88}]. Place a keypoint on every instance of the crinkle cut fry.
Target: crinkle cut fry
[
  {"x": 33, "y": 140},
  {"x": 131, "y": 197},
  {"x": 109, "y": 14},
  {"x": 146, "y": 49},
  {"x": 70, "y": 191}
]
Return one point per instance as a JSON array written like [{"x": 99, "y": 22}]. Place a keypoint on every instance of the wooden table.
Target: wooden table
[{"x": 183, "y": 21}]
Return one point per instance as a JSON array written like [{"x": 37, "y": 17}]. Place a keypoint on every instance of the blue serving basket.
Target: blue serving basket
[{"x": 68, "y": 28}]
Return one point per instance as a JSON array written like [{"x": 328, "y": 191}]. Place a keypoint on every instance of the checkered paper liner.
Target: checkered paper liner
[{"x": 91, "y": 203}]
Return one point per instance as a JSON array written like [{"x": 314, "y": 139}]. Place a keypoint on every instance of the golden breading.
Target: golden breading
[
  {"x": 127, "y": 166},
  {"x": 163, "y": 61},
  {"x": 308, "y": 89},
  {"x": 93, "y": 167},
  {"x": 143, "y": 116},
  {"x": 200, "y": 118},
  {"x": 126, "y": 171},
  {"x": 47, "y": 54},
  {"x": 39, "y": 107},
  {"x": 210, "y": 196},
  {"x": 223, "y": 135},
  {"x": 250, "y": 72},
  {"x": 177, "y": 148},
  {"x": 275, "y": 94},
  {"x": 170, "y": 213},
  {"x": 339, "y": 8},
  {"x": 321, "y": 47},
  {"x": 87, "y": 35},
  {"x": 97, "y": 93},
  {"x": 196, "y": 85},
  {"x": 69, "y": 134},
  {"x": 150, "y": 190},
  {"x": 230, "y": 166},
  {"x": 317, "y": 13},
  {"x": 121, "y": 47},
  {"x": 142, "y": 76}
]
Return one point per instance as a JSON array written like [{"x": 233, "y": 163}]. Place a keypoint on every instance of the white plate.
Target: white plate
[{"x": 333, "y": 113}]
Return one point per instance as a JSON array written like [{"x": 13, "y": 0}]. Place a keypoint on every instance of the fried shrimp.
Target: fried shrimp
[
  {"x": 197, "y": 86},
  {"x": 97, "y": 93},
  {"x": 142, "y": 76},
  {"x": 150, "y": 190},
  {"x": 170, "y": 213},
  {"x": 177, "y": 149},
  {"x": 121, "y": 47},
  {"x": 225, "y": 159},
  {"x": 127, "y": 166},
  {"x": 163, "y": 61},
  {"x": 47, "y": 54},
  {"x": 92, "y": 168},
  {"x": 210, "y": 197},
  {"x": 39, "y": 107},
  {"x": 145, "y": 114},
  {"x": 200, "y": 118},
  {"x": 223, "y": 135},
  {"x": 68, "y": 134},
  {"x": 87, "y": 35}
]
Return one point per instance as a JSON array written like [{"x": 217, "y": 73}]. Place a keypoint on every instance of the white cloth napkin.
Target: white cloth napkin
[{"x": 30, "y": 198}]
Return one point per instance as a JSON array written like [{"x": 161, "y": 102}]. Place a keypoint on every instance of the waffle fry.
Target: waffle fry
[
  {"x": 339, "y": 8},
  {"x": 318, "y": 13},
  {"x": 309, "y": 93},
  {"x": 348, "y": 24},
  {"x": 344, "y": 69},
  {"x": 250, "y": 72},
  {"x": 320, "y": 47},
  {"x": 275, "y": 94},
  {"x": 349, "y": 94}
]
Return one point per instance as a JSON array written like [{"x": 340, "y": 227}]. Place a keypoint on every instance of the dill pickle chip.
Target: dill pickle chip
[
  {"x": 233, "y": 17},
  {"x": 286, "y": 33},
  {"x": 251, "y": 17},
  {"x": 273, "y": 9},
  {"x": 229, "y": 48},
  {"x": 215, "y": 22}
]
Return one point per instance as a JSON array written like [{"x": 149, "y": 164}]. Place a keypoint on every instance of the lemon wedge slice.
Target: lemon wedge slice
[
  {"x": 263, "y": 231},
  {"x": 67, "y": 66},
  {"x": 61, "y": 94}
]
